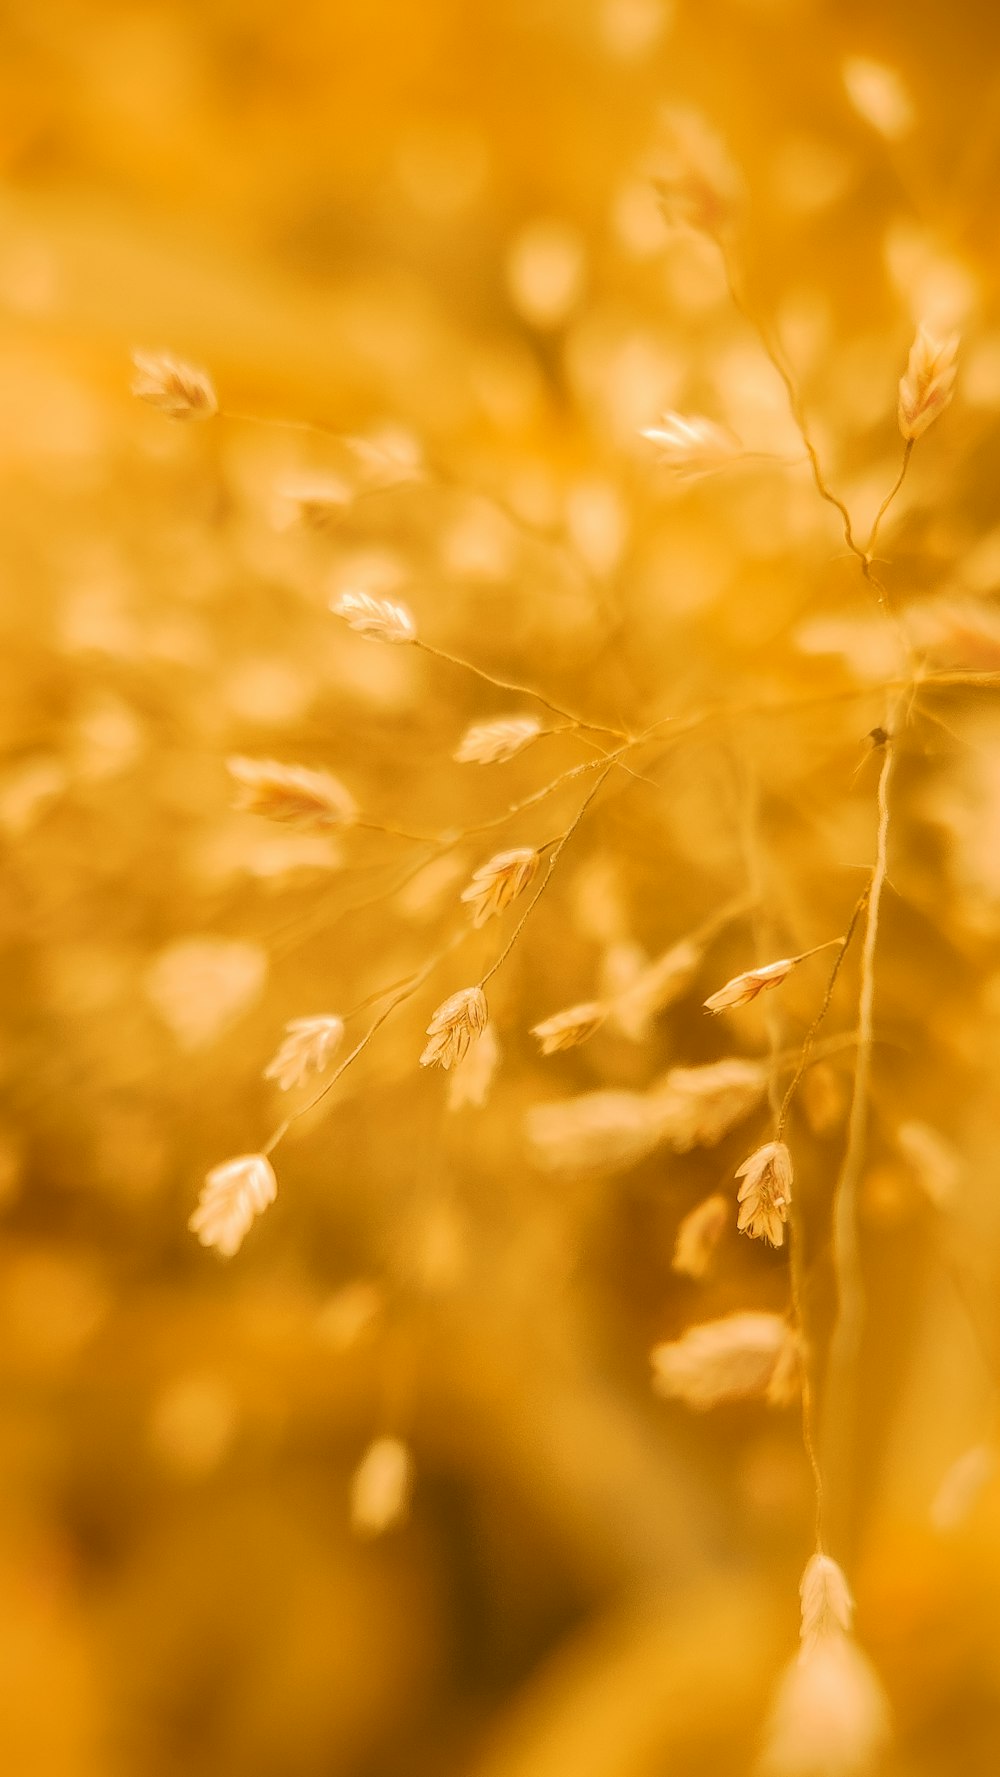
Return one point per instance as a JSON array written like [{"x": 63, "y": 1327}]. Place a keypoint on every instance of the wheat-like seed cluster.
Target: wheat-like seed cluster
[{"x": 177, "y": 389}]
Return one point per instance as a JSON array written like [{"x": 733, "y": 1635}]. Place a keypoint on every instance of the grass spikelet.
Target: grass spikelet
[
  {"x": 493, "y": 743},
  {"x": 691, "y": 445},
  {"x": 379, "y": 620},
  {"x": 744, "y": 988},
  {"x": 566, "y": 1030},
  {"x": 698, "y": 1237},
  {"x": 178, "y": 389},
  {"x": 928, "y": 382},
  {"x": 830, "y": 1717},
  {"x": 732, "y": 1359},
  {"x": 597, "y": 1131},
  {"x": 232, "y": 1197},
  {"x": 659, "y": 985},
  {"x": 766, "y": 1193},
  {"x": 696, "y": 181},
  {"x": 499, "y": 881},
  {"x": 696, "y": 1106},
  {"x": 308, "y": 1048},
  {"x": 827, "y": 1605},
  {"x": 292, "y": 794},
  {"x": 457, "y": 1021}
]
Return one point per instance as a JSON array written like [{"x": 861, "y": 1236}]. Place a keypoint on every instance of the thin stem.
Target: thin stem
[
  {"x": 407, "y": 990},
  {"x": 748, "y": 800},
  {"x": 557, "y": 849},
  {"x": 413, "y": 982},
  {"x": 519, "y": 690},
  {"x": 845, "y": 1344},
  {"x": 890, "y": 496},
  {"x": 394, "y": 832},
  {"x": 807, "y": 1047},
  {"x": 775, "y": 358}
]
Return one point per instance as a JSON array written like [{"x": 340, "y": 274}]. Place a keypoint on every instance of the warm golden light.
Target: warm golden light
[{"x": 501, "y": 910}]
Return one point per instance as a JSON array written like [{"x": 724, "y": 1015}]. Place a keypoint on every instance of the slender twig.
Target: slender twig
[
  {"x": 810, "y": 1038},
  {"x": 519, "y": 690},
  {"x": 845, "y": 1343},
  {"x": 890, "y": 496},
  {"x": 406, "y": 992},
  {"x": 553, "y": 860}
]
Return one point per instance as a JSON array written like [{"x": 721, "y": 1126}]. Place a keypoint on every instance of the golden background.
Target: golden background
[{"x": 428, "y": 226}]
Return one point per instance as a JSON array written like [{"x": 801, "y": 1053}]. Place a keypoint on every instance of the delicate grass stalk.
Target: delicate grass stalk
[
  {"x": 777, "y": 360},
  {"x": 410, "y": 986},
  {"x": 406, "y": 992},
  {"x": 547, "y": 878},
  {"x": 520, "y": 691},
  {"x": 890, "y": 496},
  {"x": 840, "y": 1408}
]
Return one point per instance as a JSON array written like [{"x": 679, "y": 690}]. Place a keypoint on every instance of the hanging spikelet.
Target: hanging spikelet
[
  {"x": 180, "y": 390},
  {"x": 232, "y": 1197}
]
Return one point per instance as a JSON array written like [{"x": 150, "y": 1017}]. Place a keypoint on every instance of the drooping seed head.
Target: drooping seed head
[
  {"x": 744, "y": 988},
  {"x": 765, "y": 1193},
  {"x": 827, "y": 1605},
  {"x": 181, "y": 391},
  {"x": 731, "y": 1359},
  {"x": 691, "y": 444},
  {"x": 380, "y": 620},
  {"x": 499, "y": 881},
  {"x": 291, "y": 794},
  {"x": 308, "y": 1047},
  {"x": 493, "y": 743},
  {"x": 928, "y": 382},
  {"x": 456, "y": 1022},
  {"x": 567, "y": 1030},
  {"x": 232, "y": 1197},
  {"x": 698, "y": 1237}
]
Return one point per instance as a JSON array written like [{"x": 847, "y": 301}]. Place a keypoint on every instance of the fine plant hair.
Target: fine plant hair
[{"x": 585, "y": 774}]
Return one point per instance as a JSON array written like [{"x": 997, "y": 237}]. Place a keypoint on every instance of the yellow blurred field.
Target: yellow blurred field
[{"x": 478, "y": 597}]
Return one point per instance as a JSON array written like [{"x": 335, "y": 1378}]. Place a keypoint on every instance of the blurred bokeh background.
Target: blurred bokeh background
[{"x": 417, "y": 250}]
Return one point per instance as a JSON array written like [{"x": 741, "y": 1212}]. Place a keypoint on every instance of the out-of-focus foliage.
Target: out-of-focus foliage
[{"x": 416, "y": 248}]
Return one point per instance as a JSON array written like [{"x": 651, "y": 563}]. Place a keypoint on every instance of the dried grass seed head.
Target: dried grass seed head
[
  {"x": 692, "y": 173},
  {"x": 731, "y": 1359},
  {"x": 232, "y": 1197},
  {"x": 696, "y": 1106},
  {"x": 308, "y": 1048},
  {"x": 457, "y": 1021},
  {"x": 827, "y": 1605},
  {"x": 691, "y": 444},
  {"x": 567, "y": 1030},
  {"x": 928, "y": 382},
  {"x": 653, "y": 988},
  {"x": 499, "y": 881},
  {"x": 380, "y": 620},
  {"x": 182, "y": 391},
  {"x": 698, "y": 1237},
  {"x": 830, "y": 1716},
  {"x": 744, "y": 988},
  {"x": 594, "y": 1132},
  {"x": 292, "y": 794},
  {"x": 766, "y": 1192},
  {"x": 493, "y": 743}
]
